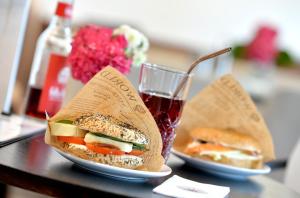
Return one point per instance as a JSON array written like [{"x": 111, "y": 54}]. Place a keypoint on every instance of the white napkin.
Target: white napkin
[{"x": 179, "y": 187}]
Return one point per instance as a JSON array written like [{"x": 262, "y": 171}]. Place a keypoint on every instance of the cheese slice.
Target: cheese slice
[
  {"x": 123, "y": 146},
  {"x": 63, "y": 129},
  {"x": 77, "y": 146},
  {"x": 217, "y": 155}
]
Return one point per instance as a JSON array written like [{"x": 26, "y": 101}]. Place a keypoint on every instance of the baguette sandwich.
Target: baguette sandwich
[{"x": 226, "y": 147}]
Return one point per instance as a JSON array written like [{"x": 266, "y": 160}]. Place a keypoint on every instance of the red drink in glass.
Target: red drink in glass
[
  {"x": 33, "y": 102},
  {"x": 166, "y": 112},
  {"x": 157, "y": 85},
  {"x": 32, "y": 105}
]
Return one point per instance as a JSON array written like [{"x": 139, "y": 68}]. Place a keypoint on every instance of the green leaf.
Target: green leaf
[
  {"x": 284, "y": 59},
  {"x": 239, "y": 52}
]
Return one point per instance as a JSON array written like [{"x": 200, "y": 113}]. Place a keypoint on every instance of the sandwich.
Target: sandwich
[
  {"x": 225, "y": 147},
  {"x": 101, "y": 138}
]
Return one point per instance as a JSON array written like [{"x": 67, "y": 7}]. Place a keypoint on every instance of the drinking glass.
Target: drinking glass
[{"x": 157, "y": 85}]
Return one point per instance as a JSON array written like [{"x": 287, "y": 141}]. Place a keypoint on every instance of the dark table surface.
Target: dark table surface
[{"x": 33, "y": 165}]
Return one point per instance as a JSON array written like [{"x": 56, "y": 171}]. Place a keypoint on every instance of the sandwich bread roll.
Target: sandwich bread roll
[
  {"x": 225, "y": 147},
  {"x": 103, "y": 139}
]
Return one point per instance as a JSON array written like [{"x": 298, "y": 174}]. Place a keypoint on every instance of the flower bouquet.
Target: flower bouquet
[{"x": 95, "y": 47}]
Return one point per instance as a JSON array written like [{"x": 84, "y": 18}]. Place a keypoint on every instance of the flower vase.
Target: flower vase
[
  {"x": 72, "y": 88},
  {"x": 259, "y": 79}
]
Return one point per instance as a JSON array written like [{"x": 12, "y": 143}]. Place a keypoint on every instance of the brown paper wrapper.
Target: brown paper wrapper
[
  {"x": 225, "y": 105},
  {"x": 110, "y": 93}
]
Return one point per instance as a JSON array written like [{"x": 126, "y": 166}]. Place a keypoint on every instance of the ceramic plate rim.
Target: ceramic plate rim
[
  {"x": 166, "y": 170},
  {"x": 266, "y": 169}
]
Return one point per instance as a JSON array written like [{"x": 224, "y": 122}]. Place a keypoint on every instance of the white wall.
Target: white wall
[
  {"x": 13, "y": 20},
  {"x": 198, "y": 24}
]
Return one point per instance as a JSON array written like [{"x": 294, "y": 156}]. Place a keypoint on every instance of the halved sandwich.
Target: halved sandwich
[
  {"x": 101, "y": 138},
  {"x": 226, "y": 147}
]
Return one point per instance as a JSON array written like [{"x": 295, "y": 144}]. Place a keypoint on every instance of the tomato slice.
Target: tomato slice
[
  {"x": 206, "y": 147},
  {"x": 104, "y": 150},
  {"x": 70, "y": 139},
  {"x": 136, "y": 152}
]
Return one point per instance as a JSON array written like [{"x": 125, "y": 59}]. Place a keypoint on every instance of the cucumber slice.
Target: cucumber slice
[
  {"x": 139, "y": 147},
  {"x": 65, "y": 121},
  {"x": 135, "y": 145},
  {"x": 123, "y": 146}
]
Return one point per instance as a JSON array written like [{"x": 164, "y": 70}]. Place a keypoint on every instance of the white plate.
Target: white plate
[
  {"x": 116, "y": 172},
  {"x": 222, "y": 170}
]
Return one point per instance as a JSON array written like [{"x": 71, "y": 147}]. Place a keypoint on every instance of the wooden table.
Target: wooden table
[{"x": 33, "y": 165}]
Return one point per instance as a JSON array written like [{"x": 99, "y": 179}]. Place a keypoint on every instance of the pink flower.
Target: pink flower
[
  {"x": 263, "y": 47},
  {"x": 93, "y": 48},
  {"x": 121, "y": 40},
  {"x": 122, "y": 63}
]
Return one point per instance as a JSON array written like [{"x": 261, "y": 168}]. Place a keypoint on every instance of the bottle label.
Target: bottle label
[
  {"x": 54, "y": 86},
  {"x": 64, "y": 10}
]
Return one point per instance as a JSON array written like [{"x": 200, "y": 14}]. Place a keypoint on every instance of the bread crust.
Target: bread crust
[
  {"x": 227, "y": 138},
  {"x": 242, "y": 163},
  {"x": 123, "y": 161},
  {"x": 110, "y": 126}
]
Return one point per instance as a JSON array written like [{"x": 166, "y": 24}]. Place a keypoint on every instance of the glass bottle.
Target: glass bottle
[{"x": 50, "y": 72}]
